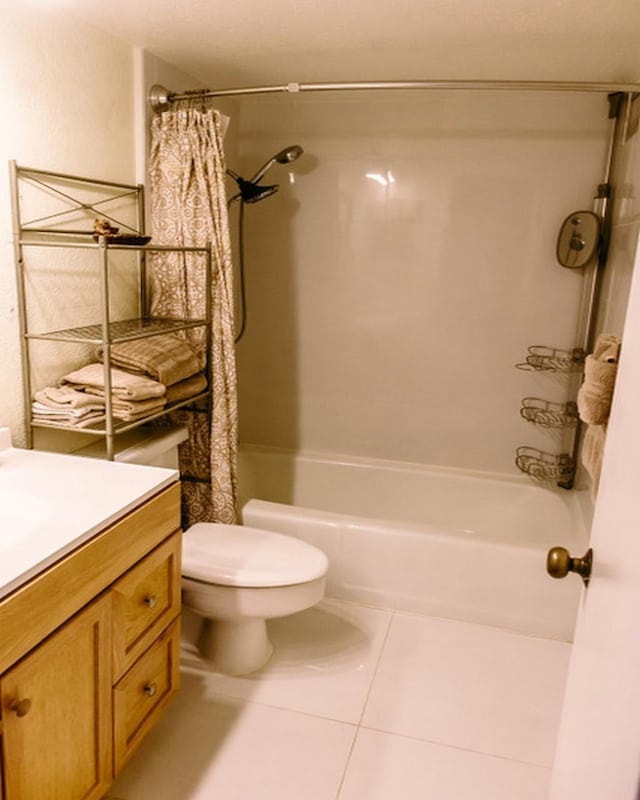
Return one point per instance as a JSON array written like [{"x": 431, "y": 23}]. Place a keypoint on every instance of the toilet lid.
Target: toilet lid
[{"x": 235, "y": 555}]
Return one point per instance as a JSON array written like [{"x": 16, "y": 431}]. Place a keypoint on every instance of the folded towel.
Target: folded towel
[
  {"x": 63, "y": 421},
  {"x": 128, "y": 409},
  {"x": 137, "y": 406},
  {"x": 66, "y": 397},
  {"x": 187, "y": 388},
  {"x": 596, "y": 392},
  {"x": 166, "y": 358},
  {"x": 68, "y": 413},
  {"x": 129, "y": 416},
  {"x": 123, "y": 384},
  {"x": 591, "y": 455}
]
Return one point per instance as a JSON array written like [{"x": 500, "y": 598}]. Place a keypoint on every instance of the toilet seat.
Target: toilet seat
[{"x": 235, "y": 555}]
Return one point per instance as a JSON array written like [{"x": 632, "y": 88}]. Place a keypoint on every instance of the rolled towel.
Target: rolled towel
[
  {"x": 123, "y": 384},
  {"x": 167, "y": 358},
  {"x": 596, "y": 392},
  {"x": 591, "y": 455},
  {"x": 607, "y": 348}
]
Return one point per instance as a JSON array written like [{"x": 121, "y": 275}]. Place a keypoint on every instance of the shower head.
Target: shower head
[
  {"x": 285, "y": 156},
  {"x": 251, "y": 191}
]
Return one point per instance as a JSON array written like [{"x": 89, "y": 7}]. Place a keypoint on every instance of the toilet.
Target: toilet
[
  {"x": 234, "y": 578},
  {"x": 237, "y": 577}
]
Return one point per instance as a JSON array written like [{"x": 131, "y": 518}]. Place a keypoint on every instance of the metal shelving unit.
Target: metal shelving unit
[{"x": 70, "y": 201}]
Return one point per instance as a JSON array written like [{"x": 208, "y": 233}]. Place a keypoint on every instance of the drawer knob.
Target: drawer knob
[
  {"x": 150, "y": 600},
  {"x": 20, "y": 707},
  {"x": 150, "y": 689}
]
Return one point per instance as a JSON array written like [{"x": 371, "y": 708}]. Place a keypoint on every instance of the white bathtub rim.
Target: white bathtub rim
[
  {"x": 395, "y": 529},
  {"x": 343, "y": 459},
  {"x": 576, "y": 499}
]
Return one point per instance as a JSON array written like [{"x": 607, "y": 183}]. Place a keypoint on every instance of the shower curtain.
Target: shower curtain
[{"x": 188, "y": 208}]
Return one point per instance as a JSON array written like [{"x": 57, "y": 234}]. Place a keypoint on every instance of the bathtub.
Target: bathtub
[{"x": 443, "y": 542}]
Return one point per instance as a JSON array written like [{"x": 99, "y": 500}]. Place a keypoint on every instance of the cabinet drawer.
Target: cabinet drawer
[
  {"x": 144, "y": 601},
  {"x": 141, "y": 695}
]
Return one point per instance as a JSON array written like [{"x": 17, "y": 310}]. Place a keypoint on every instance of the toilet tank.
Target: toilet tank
[{"x": 155, "y": 447}]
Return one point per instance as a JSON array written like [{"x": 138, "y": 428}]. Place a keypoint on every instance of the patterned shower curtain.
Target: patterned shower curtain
[{"x": 188, "y": 208}]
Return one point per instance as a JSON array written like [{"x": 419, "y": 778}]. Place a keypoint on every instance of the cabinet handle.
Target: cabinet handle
[
  {"x": 20, "y": 707},
  {"x": 150, "y": 600},
  {"x": 150, "y": 689}
]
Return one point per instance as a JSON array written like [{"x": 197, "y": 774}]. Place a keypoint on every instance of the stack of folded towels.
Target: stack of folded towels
[
  {"x": 146, "y": 375},
  {"x": 67, "y": 407},
  {"x": 594, "y": 402}
]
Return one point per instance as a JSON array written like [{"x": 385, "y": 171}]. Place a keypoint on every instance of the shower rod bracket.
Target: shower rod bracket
[{"x": 160, "y": 98}]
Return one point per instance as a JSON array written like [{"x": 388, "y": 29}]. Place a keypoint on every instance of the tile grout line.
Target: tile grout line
[
  {"x": 364, "y": 706},
  {"x": 458, "y": 747}
]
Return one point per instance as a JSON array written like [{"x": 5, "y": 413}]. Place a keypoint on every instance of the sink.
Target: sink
[{"x": 21, "y": 516}]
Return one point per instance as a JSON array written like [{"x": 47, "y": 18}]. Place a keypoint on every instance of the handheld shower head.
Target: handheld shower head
[
  {"x": 251, "y": 191},
  {"x": 285, "y": 156}
]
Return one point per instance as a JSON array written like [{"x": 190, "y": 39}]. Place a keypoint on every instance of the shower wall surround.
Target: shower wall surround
[{"x": 405, "y": 266}]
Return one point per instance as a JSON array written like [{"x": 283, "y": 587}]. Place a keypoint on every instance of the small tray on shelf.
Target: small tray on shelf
[{"x": 123, "y": 238}]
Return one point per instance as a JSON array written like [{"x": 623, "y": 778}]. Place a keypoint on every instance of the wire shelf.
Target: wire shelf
[
  {"x": 544, "y": 466},
  {"x": 549, "y": 359},
  {"x": 121, "y": 331},
  {"x": 549, "y": 414}
]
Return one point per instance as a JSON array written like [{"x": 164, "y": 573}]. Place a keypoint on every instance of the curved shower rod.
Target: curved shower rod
[{"x": 160, "y": 97}]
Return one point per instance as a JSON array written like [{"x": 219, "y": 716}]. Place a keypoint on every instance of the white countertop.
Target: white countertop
[{"x": 51, "y": 503}]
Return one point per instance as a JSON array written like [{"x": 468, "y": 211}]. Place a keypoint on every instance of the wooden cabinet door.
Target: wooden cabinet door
[{"x": 56, "y": 712}]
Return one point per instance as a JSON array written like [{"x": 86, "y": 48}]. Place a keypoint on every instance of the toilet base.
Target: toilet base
[{"x": 235, "y": 647}]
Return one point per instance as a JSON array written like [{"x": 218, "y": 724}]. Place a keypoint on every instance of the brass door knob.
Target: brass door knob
[{"x": 560, "y": 563}]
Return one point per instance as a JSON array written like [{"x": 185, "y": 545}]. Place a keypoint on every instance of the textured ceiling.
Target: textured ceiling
[{"x": 278, "y": 41}]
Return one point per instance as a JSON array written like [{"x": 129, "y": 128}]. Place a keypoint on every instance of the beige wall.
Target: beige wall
[
  {"x": 67, "y": 98},
  {"x": 385, "y": 320}
]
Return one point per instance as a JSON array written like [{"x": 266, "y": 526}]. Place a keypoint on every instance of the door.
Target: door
[
  {"x": 598, "y": 753},
  {"x": 56, "y": 712}
]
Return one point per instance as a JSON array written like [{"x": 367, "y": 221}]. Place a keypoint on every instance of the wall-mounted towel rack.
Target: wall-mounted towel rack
[
  {"x": 544, "y": 466},
  {"x": 541, "y": 358},
  {"x": 548, "y": 414}
]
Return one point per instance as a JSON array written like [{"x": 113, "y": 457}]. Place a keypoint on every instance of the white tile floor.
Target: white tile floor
[{"x": 362, "y": 704}]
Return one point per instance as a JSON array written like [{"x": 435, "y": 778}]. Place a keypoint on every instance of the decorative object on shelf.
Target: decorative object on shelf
[
  {"x": 103, "y": 228},
  {"x": 549, "y": 414},
  {"x": 544, "y": 466},
  {"x": 541, "y": 358}
]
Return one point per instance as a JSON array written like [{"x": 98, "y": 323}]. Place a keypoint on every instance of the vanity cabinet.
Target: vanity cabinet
[
  {"x": 89, "y": 657},
  {"x": 57, "y": 713}
]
